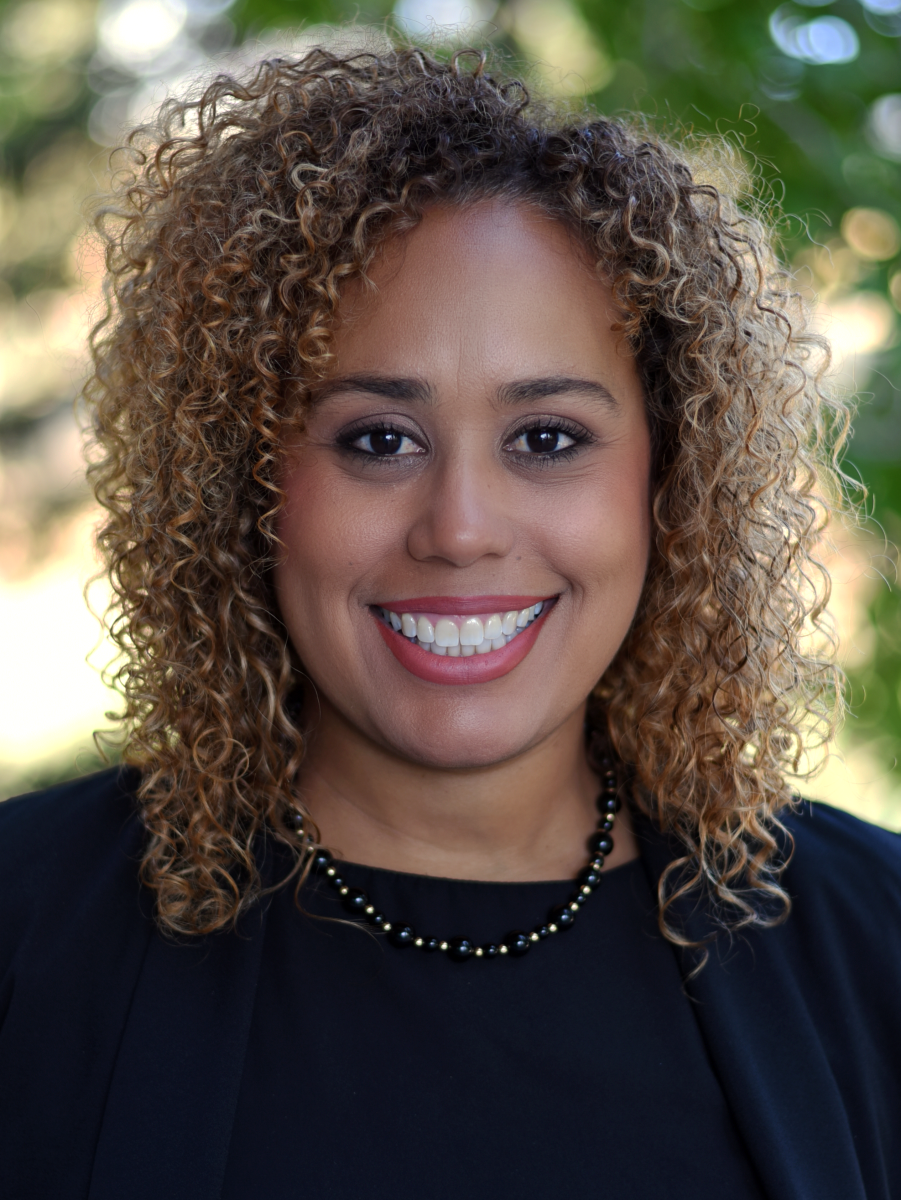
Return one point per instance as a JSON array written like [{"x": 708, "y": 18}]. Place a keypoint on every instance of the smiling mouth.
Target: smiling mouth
[{"x": 462, "y": 636}]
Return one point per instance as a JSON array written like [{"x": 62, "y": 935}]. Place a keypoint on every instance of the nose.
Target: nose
[{"x": 461, "y": 516}]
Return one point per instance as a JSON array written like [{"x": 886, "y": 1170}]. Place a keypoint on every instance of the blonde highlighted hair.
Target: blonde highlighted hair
[{"x": 229, "y": 237}]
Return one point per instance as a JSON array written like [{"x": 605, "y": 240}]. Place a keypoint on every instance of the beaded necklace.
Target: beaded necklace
[{"x": 517, "y": 942}]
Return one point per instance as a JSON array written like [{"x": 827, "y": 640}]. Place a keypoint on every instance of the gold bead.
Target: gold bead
[
  {"x": 387, "y": 927},
  {"x": 331, "y": 871},
  {"x": 586, "y": 891},
  {"x": 418, "y": 942},
  {"x": 479, "y": 952},
  {"x": 503, "y": 949},
  {"x": 574, "y": 907},
  {"x": 443, "y": 946},
  {"x": 533, "y": 937},
  {"x": 370, "y": 909},
  {"x": 343, "y": 891},
  {"x": 552, "y": 928}
]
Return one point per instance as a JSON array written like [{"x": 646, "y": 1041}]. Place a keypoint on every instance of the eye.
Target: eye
[
  {"x": 385, "y": 443},
  {"x": 541, "y": 439}
]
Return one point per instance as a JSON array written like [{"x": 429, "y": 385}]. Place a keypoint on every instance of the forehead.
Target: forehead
[{"x": 488, "y": 287}]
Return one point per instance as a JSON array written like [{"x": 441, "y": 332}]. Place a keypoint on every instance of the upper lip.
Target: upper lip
[{"x": 462, "y": 606}]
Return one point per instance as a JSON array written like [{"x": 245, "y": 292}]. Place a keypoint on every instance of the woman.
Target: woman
[{"x": 463, "y": 468}]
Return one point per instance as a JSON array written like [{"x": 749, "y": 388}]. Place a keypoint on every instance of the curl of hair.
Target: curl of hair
[{"x": 228, "y": 238}]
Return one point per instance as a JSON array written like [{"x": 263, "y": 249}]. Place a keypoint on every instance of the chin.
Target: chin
[{"x": 454, "y": 749}]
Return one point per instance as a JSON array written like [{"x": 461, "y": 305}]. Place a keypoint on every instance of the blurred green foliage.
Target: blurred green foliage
[{"x": 823, "y": 138}]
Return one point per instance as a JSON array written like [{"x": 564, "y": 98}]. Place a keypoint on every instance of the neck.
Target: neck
[{"x": 526, "y": 818}]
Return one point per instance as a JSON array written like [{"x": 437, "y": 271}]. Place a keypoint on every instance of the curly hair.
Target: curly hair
[{"x": 242, "y": 212}]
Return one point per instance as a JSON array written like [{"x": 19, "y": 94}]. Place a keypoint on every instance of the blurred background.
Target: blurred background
[{"x": 808, "y": 94}]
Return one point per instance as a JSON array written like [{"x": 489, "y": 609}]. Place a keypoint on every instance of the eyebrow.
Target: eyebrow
[
  {"x": 391, "y": 388},
  {"x": 555, "y": 385},
  {"x": 416, "y": 391}
]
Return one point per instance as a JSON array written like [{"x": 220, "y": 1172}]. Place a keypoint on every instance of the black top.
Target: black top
[
  {"x": 576, "y": 1070},
  {"x": 127, "y": 1058}
]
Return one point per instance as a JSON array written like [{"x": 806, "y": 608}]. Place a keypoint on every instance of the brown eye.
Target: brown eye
[
  {"x": 542, "y": 441},
  {"x": 385, "y": 443}
]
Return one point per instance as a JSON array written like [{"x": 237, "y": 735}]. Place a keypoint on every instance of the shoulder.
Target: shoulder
[
  {"x": 73, "y": 818},
  {"x": 61, "y": 843},
  {"x": 842, "y": 939},
  {"x": 843, "y": 876},
  {"x": 839, "y": 861},
  {"x": 75, "y": 930}
]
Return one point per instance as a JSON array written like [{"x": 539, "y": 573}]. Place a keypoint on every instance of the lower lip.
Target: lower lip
[{"x": 477, "y": 668}]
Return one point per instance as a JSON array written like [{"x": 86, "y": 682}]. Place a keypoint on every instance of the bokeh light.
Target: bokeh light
[
  {"x": 822, "y": 40},
  {"x": 872, "y": 234},
  {"x": 418, "y": 15}
]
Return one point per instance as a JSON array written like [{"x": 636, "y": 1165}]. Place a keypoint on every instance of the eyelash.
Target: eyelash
[
  {"x": 345, "y": 442},
  {"x": 581, "y": 438}
]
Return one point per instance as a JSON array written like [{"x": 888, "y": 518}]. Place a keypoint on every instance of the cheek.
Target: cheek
[
  {"x": 332, "y": 530},
  {"x": 600, "y": 535}
]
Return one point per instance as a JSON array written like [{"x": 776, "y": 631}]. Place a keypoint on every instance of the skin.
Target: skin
[{"x": 487, "y": 780}]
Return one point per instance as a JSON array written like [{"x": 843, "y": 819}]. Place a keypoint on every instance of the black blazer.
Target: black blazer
[{"x": 99, "y": 1014}]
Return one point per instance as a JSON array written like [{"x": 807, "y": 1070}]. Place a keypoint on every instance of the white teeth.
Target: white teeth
[
  {"x": 408, "y": 625},
  {"x": 493, "y": 627},
  {"x": 447, "y": 633},
  {"x": 471, "y": 632},
  {"x": 459, "y": 637}
]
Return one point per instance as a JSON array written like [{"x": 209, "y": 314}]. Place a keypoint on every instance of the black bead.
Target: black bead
[
  {"x": 518, "y": 943},
  {"x": 606, "y": 823},
  {"x": 335, "y": 880},
  {"x": 377, "y": 919},
  {"x": 402, "y": 935},
  {"x": 596, "y": 843},
  {"x": 601, "y": 843},
  {"x": 322, "y": 860},
  {"x": 608, "y": 804},
  {"x": 562, "y": 916},
  {"x": 429, "y": 944},
  {"x": 459, "y": 949},
  {"x": 355, "y": 901},
  {"x": 489, "y": 950},
  {"x": 589, "y": 877},
  {"x": 543, "y": 932}
]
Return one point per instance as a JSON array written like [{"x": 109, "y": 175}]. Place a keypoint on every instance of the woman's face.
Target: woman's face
[{"x": 480, "y": 447}]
